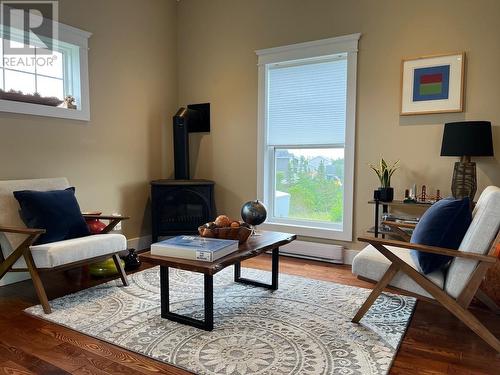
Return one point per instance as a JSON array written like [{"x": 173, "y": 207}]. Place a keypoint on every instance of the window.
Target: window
[
  {"x": 306, "y": 136},
  {"x": 39, "y": 82}
]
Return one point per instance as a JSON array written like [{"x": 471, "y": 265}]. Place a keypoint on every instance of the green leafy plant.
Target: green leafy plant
[{"x": 384, "y": 172}]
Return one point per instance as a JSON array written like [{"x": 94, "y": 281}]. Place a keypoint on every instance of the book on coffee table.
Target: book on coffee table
[{"x": 195, "y": 248}]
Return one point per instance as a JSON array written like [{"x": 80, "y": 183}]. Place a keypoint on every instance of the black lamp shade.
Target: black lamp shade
[{"x": 467, "y": 138}]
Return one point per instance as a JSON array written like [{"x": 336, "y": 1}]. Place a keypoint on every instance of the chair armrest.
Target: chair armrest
[
  {"x": 429, "y": 249},
  {"x": 19, "y": 230},
  {"x": 105, "y": 217}
]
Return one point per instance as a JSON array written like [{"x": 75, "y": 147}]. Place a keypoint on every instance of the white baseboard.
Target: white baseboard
[
  {"x": 140, "y": 243},
  {"x": 314, "y": 250},
  {"x": 14, "y": 277}
]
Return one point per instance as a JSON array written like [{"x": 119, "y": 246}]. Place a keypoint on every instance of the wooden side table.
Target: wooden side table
[{"x": 385, "y": 209}]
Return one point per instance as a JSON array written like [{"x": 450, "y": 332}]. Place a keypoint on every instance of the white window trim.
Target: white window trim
[
  {"x": 78, "y": 38},
  {"x": 319, "y": 48}
]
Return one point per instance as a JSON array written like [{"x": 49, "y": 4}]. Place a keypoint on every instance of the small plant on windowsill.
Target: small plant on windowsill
[
  {"x": 384, "y": 173},
  {"x": 36, "y": 98}
]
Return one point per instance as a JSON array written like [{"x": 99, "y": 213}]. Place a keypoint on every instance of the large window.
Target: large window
[
  {"x": 306, "y": 136},
  {"x": 45, "y": 82}
]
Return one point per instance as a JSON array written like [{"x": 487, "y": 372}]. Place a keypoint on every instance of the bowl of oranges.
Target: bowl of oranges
[{"x": 225, "y": 228}]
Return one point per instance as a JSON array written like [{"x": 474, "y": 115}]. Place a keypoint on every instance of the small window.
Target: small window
[
  {"x": 45, "y": 82},
  {"x": 306, "y": 142}
]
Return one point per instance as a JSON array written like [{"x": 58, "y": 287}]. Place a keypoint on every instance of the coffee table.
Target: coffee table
[{"x": 255, "y": 245}]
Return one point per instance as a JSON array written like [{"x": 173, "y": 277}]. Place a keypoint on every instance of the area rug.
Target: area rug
[{"x": 302, "y": 328}]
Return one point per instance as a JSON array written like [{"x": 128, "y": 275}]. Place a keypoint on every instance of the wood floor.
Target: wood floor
[{"x": 435, "y": 343}]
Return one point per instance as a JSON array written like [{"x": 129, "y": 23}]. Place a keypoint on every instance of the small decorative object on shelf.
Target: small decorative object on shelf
[
  {"x": 69, "y": 102},
  {"x": 254, "y": 213},
  {"x": 423, "y": 196},
  {"x": 409, "y": 197},
  {"x": 384, "y": 173},
  {"x": 131, "y": 260}
]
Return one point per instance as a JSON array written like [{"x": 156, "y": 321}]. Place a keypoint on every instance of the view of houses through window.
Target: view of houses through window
[{"x": 309, "y": 184}]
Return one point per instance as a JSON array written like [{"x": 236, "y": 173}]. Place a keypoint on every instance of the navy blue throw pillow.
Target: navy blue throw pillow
[
  {"x": 56, "y": 211},
  {"x": 444, "y": 224}
]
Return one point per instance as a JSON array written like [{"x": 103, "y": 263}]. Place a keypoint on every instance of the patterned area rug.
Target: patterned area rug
[{"x": 302, "y": 328}]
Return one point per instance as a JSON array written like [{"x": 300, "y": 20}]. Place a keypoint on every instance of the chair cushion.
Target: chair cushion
[
  {"x": 371, "y": 264},
  {"x": 444, "y": 224},
  {"x": 56, "y": 211},
  {"x": 478, "y": 239},
  {"x": 9, "y": 207},
  {"x": 64, "y": 252}
]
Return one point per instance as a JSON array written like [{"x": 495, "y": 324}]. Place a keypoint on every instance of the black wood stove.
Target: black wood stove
[{"x": 181, "y": 205}]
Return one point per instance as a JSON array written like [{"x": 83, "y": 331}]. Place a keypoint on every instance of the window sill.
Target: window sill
[
  {"x": 43, "y": 110},
  {"x": 308, "y": 231}
]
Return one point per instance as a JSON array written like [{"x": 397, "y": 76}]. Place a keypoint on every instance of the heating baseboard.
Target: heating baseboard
[{"x": 314, "y": 250}]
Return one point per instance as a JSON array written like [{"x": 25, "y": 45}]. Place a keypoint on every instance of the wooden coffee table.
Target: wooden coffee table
[{"x": 254, "y": 246}]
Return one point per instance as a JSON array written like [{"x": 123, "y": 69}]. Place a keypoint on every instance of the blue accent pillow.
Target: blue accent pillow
[
  {"x": 56, "y": 211},
  {"x": 444, "y": 224}
]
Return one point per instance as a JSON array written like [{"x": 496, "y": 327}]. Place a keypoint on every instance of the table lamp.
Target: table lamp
[{"x": 466, "y": 139}]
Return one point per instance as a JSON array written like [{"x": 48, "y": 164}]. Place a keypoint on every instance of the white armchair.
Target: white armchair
[
  {"x": 388, "y": 262},
  {"x": 18, "y": 254}
]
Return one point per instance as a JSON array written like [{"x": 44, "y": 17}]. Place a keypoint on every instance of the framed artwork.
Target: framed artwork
[{"x": 432, "y": 84}]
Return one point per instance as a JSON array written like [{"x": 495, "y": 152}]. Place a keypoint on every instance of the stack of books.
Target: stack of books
[{"x": 194, "y": 248}]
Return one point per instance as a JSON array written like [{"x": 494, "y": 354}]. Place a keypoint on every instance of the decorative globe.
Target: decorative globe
[{"x": 253, "y": 212}]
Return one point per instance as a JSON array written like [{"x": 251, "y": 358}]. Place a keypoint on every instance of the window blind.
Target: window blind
[{"x": 307, "y": 103}]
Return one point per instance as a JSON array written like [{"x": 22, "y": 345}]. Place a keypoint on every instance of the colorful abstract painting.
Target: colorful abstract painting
[{"x": 432, "y": 83}]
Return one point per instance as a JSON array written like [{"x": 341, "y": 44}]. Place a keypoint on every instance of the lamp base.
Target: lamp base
[{"x": 464, "y": 183}]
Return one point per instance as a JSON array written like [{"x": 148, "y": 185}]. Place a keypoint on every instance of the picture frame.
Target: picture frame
[{"x": 432, "y": 84}]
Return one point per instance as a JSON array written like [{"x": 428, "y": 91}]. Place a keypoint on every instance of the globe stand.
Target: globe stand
[
  {"x": 255, "y": 232},
  {"x": 254, "y": 213}
]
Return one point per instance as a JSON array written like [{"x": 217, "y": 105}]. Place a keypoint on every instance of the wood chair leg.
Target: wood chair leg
[
  {"x": 444, "y": 299},
  {"x": 475, "y": 325},
  {"x": 120, "y": 269},
  {"x": 379, "y": 288},
  {"x": 37, "y": 282}
]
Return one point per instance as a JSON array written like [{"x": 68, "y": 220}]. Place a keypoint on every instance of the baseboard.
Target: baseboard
[
  {"x": 314, "y": 250},
  {"x": 14, "y": 277},
  {"x": 140, "y": 243},
  {"x": 335, "y": 253}
]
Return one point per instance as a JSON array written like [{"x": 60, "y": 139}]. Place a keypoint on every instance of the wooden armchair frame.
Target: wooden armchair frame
[
  {"x": 23, "y": 250},
  {"x": 458, "y": 306}
]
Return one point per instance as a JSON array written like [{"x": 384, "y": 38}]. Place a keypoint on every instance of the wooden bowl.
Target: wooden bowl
[{"x": 241, "y": 233}]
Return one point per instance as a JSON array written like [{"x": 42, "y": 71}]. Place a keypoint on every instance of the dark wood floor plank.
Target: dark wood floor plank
[
  {"x": 435, "y": 343},
  {"x": 12, "y": 368},
  {"x": 90, "y": 371},
  {"x": 25, "y": 358},
  {"x": 121, "y": 359}
]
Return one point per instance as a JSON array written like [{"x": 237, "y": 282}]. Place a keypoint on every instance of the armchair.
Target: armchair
[
  {"x": 388, "y": 263},
  {"x": 18, "y": 254}
]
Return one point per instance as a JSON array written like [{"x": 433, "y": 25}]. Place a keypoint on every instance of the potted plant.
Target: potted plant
[{"x": 384, "y": 173}]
